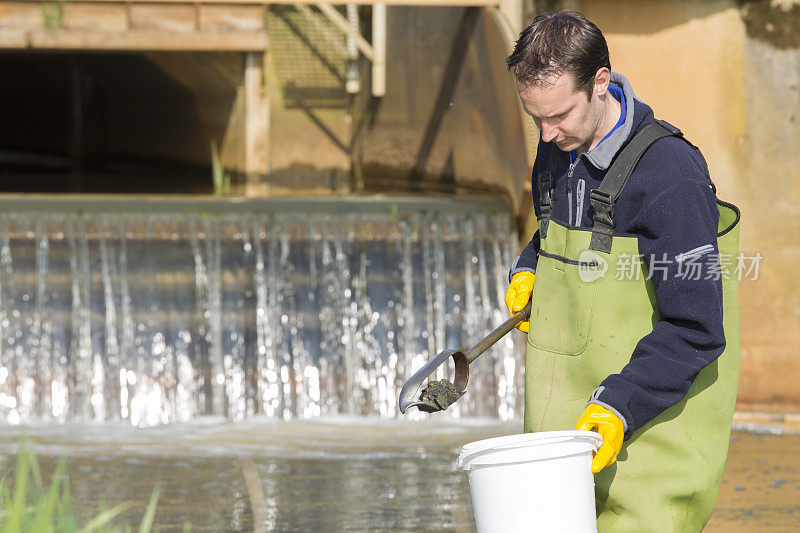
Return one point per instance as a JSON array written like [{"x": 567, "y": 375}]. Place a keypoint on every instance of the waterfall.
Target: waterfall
[{"x": 156, "y": 312}]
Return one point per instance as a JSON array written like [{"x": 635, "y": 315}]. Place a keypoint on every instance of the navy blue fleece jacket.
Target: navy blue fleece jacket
[{"x": 668, "y": 205}]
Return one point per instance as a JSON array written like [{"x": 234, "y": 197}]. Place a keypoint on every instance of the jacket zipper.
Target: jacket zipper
[
  {"x": 569, "y": 187},
  {"x": 581, "y": 192}
]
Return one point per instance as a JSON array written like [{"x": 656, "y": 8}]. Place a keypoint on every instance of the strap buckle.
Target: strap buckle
[
  {"x": 601, "y": 197},
  {"x": 603, "y": 205},
  {"x": 545, "y": 188}
]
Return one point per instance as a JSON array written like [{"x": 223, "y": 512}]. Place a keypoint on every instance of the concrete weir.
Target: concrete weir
[{"x": 162, "y": 311}]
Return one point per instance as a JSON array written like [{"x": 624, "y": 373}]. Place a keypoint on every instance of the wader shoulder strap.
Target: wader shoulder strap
[
  {"x": 705, "y": 165},
  {"x": 545, "y": 181},
  {"x": 604, "y": 197}
]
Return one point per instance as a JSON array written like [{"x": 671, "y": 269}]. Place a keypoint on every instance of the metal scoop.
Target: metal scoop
[{"x": 413, "y": 395}]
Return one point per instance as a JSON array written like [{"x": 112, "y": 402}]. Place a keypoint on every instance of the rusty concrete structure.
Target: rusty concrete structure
[{"x": 162, "y": 80}]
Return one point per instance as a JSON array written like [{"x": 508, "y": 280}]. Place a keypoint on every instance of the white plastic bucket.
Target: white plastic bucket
[{"x": 533, "y": 482}]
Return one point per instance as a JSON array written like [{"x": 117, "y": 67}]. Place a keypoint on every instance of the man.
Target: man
[{"x": 621, "y": 338}]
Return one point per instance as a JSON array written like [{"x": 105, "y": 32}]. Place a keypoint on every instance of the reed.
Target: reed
[
  {"x": 29, "y": 505},
  {"x": 222, "y": 180}
]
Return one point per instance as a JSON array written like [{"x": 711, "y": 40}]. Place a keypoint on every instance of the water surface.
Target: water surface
[{"x": 344, "y": 473}]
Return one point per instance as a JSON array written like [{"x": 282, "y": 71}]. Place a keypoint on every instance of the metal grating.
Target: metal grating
[{"x": 309, "y": 57}]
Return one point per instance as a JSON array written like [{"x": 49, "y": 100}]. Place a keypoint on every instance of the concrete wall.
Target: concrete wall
[
  {"x": 449, "y": 122},
  {"x": 728, "y": 74}
]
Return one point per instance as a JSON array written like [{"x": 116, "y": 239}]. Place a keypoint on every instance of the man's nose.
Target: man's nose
[{"x": 548, "y": 132}]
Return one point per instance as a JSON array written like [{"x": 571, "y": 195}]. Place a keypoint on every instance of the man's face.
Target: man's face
[{"x": 562, "y": 113}]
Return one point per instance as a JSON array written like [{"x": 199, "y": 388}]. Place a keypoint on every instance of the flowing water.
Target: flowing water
[{"x": 160, "y": 312}]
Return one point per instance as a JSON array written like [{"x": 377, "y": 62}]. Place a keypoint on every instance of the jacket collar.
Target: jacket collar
[{"x": 602, "y": 155}]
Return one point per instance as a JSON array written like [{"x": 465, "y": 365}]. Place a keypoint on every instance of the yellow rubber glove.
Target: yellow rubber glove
[
  {"x": 610, "y": 427},
  {"x": 518, "y": 294}
]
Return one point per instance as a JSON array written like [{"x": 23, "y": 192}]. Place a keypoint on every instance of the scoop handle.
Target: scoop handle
[{"x": 499, "y": 333}]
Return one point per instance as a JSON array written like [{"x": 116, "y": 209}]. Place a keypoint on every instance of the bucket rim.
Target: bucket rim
[
  {"x": 525, "y": 444},
  {"x": 529, "y": 438}
]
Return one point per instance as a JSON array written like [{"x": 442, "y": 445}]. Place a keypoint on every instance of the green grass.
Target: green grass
[
  {"x": 31, "y": 506},
  {"x": 222, "y": 180}
]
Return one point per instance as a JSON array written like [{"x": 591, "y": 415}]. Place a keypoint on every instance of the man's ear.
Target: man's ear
[{"x": 601, "y": 80}]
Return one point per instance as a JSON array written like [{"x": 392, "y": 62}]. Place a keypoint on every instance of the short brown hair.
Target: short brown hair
[{"x": 557, "y": 43}]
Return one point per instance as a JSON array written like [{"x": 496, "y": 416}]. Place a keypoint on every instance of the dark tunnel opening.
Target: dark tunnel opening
[{"x": 112, "y": 122}]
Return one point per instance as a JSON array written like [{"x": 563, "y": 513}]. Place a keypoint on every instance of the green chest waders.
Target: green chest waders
[{"x": 585, "y": 326}]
